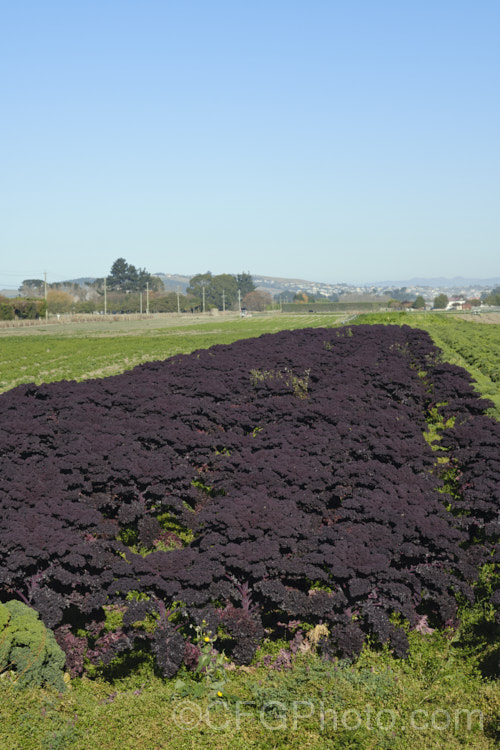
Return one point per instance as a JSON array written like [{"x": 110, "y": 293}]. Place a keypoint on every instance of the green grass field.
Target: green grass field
[
  {"x": 79, "y": 351},
  {"x": 378, "y": 702},
  {"x": 433, "y": 700}
]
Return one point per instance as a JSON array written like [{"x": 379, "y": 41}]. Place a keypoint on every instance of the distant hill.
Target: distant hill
[
  {"x": 174, "y": 281},
  {"x": 442, "y": 281},
  {"x": 82, "y": 281},
  {"x": 278, "y": 284}
]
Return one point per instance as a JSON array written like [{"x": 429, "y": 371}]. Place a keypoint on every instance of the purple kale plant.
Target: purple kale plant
[{"x": 250, "y": 506}]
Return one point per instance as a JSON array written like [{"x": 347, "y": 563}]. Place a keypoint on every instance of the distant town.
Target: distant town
[
  {"x": 428, "y": 291},
  {"x": 128, "y": 289},
  {"x": 286, "y": 289}
]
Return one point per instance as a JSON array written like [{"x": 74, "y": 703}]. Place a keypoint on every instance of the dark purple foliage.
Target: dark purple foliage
[
  {"x": 192, "y": 655},
  {"x": 168, "y": 647},
  {"x": 74, "y": 647},
  {"x": 321, "y": 505}
]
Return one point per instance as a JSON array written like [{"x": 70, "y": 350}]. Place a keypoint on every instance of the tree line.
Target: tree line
[{"x": 128, "y": 289}]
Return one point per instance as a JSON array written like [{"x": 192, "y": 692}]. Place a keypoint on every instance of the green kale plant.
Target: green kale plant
[{"x": 29, "y": 653}]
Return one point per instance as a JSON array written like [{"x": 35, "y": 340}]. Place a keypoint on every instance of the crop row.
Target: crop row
[
  {"x": 277, "y": 479},
  {"x": 477, "y": 345}
]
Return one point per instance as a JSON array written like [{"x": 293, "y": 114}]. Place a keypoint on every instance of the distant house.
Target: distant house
[
  {"x": 459, "y": 303},
  {"x": 456, "y": 303}
]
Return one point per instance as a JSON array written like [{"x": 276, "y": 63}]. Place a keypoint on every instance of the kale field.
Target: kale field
[
  {"x": 464, "y": 342},
  {"x": 315, "y": 506},
  {"x": 108, "y": 346}
]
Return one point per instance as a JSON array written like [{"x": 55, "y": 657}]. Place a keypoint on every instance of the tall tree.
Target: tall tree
[
  {"x": 32, "y": 287},
  {"x": 59, "y": 302},
  {"x": 440, "y": 301},
  {"x": 494, "y": 297},
  {"x": 133, "y": 279},
  {"x": 118, "y": 278},
  {"x": 125, "y": 277},
  {"x": 223, "y": 291},
  {"x": 400, "y": 294},
  {"x": 258, "y": 300},
  {"x": 197, "y": 284},
  {"x": 156, "y": 284},
  {"x": 245, "y": 283}
]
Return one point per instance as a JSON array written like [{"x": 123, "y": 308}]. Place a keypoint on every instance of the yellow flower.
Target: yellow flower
[
  {"x": 207, "y": 639},
  {"x": 219, "y": 694}
]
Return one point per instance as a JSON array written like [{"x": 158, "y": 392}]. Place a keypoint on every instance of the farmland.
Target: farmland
[
  {"x": 464, "y": 342},
  {"x": 301, "y": 441},
  {"x": 79, "y": 351}
]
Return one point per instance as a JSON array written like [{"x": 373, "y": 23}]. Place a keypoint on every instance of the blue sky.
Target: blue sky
[{"x": 346, "y": 141}]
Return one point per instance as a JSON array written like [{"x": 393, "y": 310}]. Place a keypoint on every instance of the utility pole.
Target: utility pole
[
  {"x": 239, "y": 299},
  {"x": 147, "y": 297},
  {"x": 223, "y": 301},
  {"x": 178, "y": 301},
  {"x": 140, "y": 295},
  {"x": 45, "y": 295},
  {"x": 105, "y": 298},
  {"x": 203, "y": 288}
]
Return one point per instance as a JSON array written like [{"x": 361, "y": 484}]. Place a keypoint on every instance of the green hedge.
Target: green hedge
[
  {"x": 319, "y": 307},
  {"x": 21, "y": 308}
]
